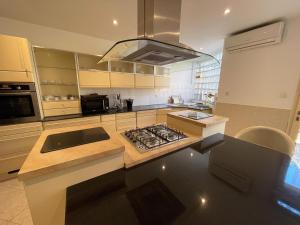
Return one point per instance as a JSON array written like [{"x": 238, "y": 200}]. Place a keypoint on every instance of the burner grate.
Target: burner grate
[{"x": 152, "y": 137}]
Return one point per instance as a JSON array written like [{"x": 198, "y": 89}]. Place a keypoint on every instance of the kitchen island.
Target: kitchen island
[
  {"x": 47, "y": 175},
  {"x": 219, "y": 180},
  {"x": 190, "y": 121}
]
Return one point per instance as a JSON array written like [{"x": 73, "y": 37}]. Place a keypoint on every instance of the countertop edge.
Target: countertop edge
[{"x": 24, "y": 175}]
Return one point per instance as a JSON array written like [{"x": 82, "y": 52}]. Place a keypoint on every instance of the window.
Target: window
[{"x": 206, "y": 79}]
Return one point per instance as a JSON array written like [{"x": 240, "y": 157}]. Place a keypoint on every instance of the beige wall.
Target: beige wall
[
  {"x": 261, "y": 80},
  {"x": 54, "y": 38}
]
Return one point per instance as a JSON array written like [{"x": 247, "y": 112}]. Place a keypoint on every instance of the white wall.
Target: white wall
[
  {"x": 265, "y": 76},
  {"x": 54, "y": 38}
]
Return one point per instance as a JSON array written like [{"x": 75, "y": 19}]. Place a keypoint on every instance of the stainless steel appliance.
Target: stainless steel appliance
[
  {"x": 149, "y": 138},
  {"x": 18, "y": 103},
  {"x": 158, "y": 36},
  {"x": 94, "y": 103}
]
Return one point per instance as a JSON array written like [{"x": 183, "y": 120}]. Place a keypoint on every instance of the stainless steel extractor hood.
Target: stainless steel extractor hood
[{"x": 158, "y": 36}]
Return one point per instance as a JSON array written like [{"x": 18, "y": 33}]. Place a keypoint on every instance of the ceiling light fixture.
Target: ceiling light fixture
[
  {"x": 227, "y": 11},
  {"x": 115, "y": 22}
]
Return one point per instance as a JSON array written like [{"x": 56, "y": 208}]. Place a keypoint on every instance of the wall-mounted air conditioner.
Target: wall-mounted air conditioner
[{"x": 266, "y": 35}]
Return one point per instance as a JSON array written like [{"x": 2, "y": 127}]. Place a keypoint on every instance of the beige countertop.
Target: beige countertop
[
  {"x": 133, "y": 157},
  {"x": 38, "y": 163},
  {"x": 203, "y": 122}
]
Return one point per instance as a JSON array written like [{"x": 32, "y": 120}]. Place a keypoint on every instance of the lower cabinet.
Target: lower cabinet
[
  {"x": 108, "y": 122},
  {"x": 146, "y": 118},
  {"x": 161, "y": 114},
  {"x": 125, "y": 121},
  {"x": 16, "y": 141},
  {"x": 71, "y": 122}
]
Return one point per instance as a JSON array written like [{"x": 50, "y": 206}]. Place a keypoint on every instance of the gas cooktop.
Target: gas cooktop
[{"x": 149, "y": 138}]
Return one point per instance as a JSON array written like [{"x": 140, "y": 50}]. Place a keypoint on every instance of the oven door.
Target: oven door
[{"x": 19, "y": 107}]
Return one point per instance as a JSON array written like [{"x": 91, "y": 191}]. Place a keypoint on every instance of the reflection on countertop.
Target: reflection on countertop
[{"x": 220, "y": 180}]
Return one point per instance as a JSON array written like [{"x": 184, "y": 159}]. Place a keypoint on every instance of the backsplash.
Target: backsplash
[{"x": 180, "y": 84}]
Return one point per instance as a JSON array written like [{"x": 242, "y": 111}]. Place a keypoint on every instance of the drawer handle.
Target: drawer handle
[{"x": 13, "y": 171}]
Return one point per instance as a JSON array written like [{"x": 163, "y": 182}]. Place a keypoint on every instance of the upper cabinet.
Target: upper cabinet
[
  {"x": 15, "y": 60},
  {"x": 58, "y": 80},
  {"x": 91, "y": 73},
  {"x": 122, "y": 74},
  {"x": 144, "y": 77},
  {"x": 162, "y": 77}
]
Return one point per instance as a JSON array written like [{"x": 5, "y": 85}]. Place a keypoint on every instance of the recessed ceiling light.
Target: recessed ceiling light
[
  {"x": 115, "y": 22},
  {"x": 227, "y": 11}
]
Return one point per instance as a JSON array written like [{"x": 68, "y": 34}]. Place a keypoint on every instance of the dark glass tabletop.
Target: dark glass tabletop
[{"x": 218, "y": 181}]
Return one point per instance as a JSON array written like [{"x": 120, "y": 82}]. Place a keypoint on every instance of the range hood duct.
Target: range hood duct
[{"x": 158, "y": 36}]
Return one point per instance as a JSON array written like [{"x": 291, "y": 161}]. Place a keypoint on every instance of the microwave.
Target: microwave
[{"x": 94, "y": 103}]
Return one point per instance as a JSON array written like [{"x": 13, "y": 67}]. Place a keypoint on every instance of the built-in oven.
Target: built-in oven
[{"x": 18, "y": 103}]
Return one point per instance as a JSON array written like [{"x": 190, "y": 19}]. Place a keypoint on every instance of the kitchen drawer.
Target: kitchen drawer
[
  {"x": 18, "y": 143},
  {"x": 105, "y": 118},
  {"x": 71, "y": 122},
  {"x": 9, "y": 166},
  {"x": 14, "y": 76},
  {"x": 109, "y": 125},
  {"x": 121, "y": 80},
  {"x": 146, "y": 113},
  {"x": 57, "y": 112},
  {"x": 60, "y": 104},
  {"x": 91, "y": 79},
  {"x": 163, "y": 111},
  {"x": 143, "y": 121},
  {"x": 125, "y": 115},
  {"x": 19, "y": 129},
  {"x": 144, "y": 81},
  {"x": 126, "y": 124}
]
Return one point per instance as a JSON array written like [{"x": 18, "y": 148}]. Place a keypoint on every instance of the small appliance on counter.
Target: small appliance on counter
[
  {"x": 94, "y": 103},
  {"x": 129, "y": 103}
]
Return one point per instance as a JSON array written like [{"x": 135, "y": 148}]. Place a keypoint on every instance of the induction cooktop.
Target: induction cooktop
[{"x": 61, "y": 141}]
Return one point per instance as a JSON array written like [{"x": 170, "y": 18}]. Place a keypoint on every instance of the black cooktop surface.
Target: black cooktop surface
[{"x": 74, "y": 138}]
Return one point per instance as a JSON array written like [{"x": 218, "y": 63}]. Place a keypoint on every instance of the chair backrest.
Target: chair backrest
[{"x": 268, "y": 137}]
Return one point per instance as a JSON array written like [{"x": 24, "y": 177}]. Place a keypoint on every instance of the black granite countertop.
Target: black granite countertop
[
  {"x": 218, "y": 181},
  {"x": 123, "y": 110}
]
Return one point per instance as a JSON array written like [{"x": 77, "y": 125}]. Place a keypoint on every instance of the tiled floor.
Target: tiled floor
[{"x": 13, "y": 204}]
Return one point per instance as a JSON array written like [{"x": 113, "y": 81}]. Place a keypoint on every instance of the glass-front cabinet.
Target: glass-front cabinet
[{"x": 57, "y": 77}]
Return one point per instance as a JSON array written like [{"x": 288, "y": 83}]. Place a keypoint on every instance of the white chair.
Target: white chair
[{"x": 268, "y": 137}]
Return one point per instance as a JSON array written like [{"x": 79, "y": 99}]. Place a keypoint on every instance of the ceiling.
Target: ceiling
[
  {"x": 89, "y": 17},
  {"x": 203, "y": 24}
]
